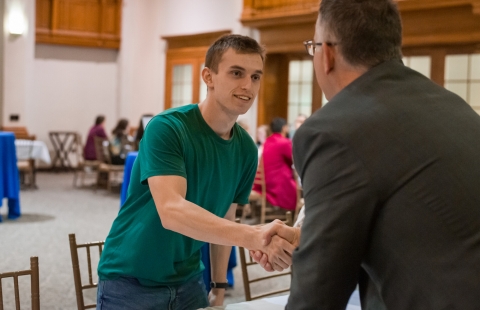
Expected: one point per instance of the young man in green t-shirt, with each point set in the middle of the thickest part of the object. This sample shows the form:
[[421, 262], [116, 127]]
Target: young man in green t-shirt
[[194, 165]]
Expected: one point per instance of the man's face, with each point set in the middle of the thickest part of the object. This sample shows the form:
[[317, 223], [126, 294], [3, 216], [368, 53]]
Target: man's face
[[236, 84]]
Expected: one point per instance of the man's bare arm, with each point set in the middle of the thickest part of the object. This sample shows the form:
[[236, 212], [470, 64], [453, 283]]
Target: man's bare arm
[[179, 215], [219, 256]]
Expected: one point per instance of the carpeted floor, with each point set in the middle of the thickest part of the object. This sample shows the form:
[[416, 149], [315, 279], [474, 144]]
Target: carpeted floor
[[49, 214]]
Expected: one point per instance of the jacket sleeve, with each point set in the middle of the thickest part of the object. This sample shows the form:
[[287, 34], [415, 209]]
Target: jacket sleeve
[[340, 204]]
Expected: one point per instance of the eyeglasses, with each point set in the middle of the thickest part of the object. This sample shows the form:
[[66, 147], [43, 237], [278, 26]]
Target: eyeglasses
[[310, 46]]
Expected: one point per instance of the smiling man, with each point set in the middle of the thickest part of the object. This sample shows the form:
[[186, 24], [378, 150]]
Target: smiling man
[[195, 164]]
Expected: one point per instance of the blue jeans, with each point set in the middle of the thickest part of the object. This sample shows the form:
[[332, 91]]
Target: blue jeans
[[128, 293]]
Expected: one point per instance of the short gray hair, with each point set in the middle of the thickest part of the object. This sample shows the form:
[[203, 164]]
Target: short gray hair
[[369, 32]]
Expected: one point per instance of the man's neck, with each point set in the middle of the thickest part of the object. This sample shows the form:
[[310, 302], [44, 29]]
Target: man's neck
[[220, 121], [345, 78]]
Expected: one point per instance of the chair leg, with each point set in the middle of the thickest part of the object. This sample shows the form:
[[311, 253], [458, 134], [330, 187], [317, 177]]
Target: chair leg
[[75, 178], [247, 209], [82, 178], [109, 180]]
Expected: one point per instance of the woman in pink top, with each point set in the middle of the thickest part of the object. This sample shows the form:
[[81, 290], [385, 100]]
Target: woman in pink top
[[277, 162]]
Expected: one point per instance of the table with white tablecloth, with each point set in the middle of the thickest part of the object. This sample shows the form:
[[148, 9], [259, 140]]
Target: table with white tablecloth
[[279, 303], [32, 149]]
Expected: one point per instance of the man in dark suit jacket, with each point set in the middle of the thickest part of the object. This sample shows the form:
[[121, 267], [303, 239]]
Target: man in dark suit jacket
[[390, 169]]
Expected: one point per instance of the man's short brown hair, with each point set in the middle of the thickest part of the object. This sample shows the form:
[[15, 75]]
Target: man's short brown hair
[[368, 32], [240, 44]]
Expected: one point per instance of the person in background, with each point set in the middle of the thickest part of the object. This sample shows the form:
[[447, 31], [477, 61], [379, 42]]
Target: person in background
[[120, 143], [280, 184], [98, 130], [298, 122], [183, 192], [141, 129]]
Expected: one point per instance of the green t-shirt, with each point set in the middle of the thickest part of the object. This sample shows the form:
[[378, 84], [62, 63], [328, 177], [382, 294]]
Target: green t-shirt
[[218, 172]]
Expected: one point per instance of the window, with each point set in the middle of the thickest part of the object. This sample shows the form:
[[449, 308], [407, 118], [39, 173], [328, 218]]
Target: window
[[420, 64], [300, 81], [462, 76], [182, 85]]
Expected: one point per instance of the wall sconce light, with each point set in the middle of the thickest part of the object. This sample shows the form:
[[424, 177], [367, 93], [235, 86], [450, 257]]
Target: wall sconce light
[[16, 22]]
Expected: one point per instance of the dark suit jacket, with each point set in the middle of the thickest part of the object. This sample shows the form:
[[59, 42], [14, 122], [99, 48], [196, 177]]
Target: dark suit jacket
[[391, 175]]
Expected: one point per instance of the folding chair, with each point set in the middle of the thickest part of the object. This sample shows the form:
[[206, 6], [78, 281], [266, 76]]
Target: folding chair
[[26, 166], [103, 156], [83, 165], [35, 284], [253, 273], [77, 275]]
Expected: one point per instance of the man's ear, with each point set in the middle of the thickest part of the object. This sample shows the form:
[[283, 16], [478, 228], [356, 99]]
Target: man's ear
[[207, 77], [328, 58]]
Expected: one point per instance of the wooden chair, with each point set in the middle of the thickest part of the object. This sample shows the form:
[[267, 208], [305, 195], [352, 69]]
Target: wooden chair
[[19, 132], [103, 156], [83, 166], [248, 266], [26, 167], [267, 211], [35, 284], [77, 275]]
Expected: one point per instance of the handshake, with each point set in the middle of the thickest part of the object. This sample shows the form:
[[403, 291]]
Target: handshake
[[276, 245]]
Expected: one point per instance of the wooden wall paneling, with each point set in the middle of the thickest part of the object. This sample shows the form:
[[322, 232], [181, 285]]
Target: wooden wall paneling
[[43, 15], [440, 26], [287, 38], [194, 40], [273, 100], [111, 16], [55, 15], [93, 23]]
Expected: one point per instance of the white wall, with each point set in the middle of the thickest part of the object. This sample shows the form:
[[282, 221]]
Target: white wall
[[71, 86], [17, 63], [56, 87]]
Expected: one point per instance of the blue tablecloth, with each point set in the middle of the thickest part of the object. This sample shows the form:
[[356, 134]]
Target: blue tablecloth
[[232, 262], [9, 180], [126, 175]]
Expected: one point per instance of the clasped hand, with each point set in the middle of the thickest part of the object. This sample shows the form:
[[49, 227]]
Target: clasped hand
[[278, 243]]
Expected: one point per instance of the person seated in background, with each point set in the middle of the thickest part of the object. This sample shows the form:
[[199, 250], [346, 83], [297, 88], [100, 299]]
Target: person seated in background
[[141, 129], [98, 130], [262, 133], [120, 143], [277, 163]]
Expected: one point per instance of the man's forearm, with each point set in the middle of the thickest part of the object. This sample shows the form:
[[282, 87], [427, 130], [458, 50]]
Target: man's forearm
[[195, 222], [186, 218], [219, 256]]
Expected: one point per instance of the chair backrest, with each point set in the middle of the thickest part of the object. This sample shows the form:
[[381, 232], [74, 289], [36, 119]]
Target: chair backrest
[[19, 132], [253, 273], [102, 150], [35, 284], [267, 212], [77, 274]]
